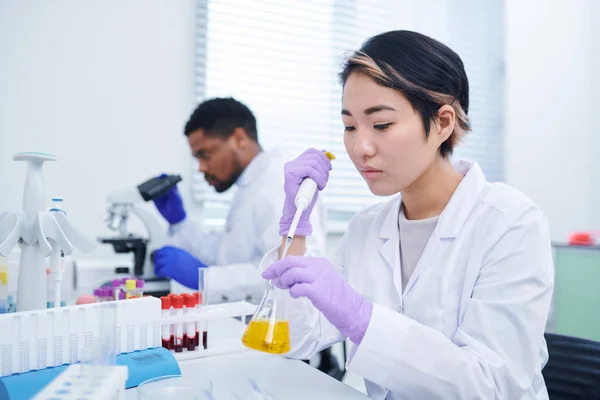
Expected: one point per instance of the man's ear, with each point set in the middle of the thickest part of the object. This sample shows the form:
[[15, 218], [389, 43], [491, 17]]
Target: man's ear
[[240, 137]]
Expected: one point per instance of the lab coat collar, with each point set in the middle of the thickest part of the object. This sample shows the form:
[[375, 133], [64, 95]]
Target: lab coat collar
[[463, 200], [457, 210], [253, 169]]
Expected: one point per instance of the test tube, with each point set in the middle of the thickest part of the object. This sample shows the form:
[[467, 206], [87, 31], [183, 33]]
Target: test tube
[[202, 299], [116, 283], [185, 312], [140, 287], [167, 336], [110, 294], [191, 326], [3, 292], [122, 294], [203, 325], [178, 306], [106, 294], [196, 308], [130, 288]]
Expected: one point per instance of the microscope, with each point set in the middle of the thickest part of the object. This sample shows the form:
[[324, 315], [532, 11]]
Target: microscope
[[123, 204]]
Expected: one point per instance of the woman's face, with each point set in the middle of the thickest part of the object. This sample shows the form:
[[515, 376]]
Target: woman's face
[[384, 136]]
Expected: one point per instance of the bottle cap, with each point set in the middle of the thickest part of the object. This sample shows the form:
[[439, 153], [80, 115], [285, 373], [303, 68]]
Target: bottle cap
[[165, 302], [190, 301], [110, 292], [97, 292], [130, 284], [177, 301], [116, 283], [139, 283], [122, 295]]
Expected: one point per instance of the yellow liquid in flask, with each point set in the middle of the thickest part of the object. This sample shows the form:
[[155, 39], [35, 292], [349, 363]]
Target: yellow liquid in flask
[[255, 336]]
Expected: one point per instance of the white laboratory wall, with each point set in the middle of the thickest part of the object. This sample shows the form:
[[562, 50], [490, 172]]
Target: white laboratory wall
[[551, 132], [106, 85]]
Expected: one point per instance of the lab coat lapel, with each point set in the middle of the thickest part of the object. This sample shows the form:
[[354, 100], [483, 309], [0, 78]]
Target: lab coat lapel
[[390, 247], [452, 218]]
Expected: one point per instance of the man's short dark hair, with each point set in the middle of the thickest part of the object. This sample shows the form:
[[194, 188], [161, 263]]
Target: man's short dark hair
[[220, 116]]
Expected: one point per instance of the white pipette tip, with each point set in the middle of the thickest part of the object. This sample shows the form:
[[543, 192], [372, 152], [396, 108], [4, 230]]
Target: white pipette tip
[[292, 231]]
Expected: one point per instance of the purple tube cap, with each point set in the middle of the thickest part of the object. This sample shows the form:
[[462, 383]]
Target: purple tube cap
[[116, 283], [139, 283], [122, 295]]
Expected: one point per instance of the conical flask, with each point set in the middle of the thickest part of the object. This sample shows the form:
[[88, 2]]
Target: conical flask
[[269, 330]]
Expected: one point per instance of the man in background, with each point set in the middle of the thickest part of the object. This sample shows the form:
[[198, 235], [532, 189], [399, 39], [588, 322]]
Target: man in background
[[223, 136]]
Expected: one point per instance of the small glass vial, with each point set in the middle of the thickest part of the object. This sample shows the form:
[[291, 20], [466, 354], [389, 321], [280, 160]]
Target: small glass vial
[[130, 288]]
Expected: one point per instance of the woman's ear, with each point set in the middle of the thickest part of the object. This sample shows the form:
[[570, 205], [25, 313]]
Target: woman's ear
[[445, 121]]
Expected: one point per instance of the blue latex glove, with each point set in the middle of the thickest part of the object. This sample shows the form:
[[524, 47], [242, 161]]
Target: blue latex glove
[[178, 264], [170, 205]]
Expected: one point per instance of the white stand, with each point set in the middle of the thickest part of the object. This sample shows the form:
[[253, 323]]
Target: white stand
[[39, 233]]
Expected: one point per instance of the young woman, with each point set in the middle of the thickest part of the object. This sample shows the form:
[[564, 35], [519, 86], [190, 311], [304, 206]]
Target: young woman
[[444, 291]]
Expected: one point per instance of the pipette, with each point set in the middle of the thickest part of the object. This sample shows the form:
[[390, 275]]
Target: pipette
[[304, 197]]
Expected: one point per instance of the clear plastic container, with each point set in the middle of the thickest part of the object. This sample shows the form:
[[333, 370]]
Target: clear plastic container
[[175, 387]]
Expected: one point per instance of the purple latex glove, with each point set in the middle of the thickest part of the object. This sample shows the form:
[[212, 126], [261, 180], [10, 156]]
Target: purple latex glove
[[317, 279], [311, 164]]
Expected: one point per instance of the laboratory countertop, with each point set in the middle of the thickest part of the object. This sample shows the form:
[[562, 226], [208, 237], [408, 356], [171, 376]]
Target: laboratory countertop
[[282, 378]]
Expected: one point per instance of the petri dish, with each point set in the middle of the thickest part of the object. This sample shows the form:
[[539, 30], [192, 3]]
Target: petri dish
[[175, 387]]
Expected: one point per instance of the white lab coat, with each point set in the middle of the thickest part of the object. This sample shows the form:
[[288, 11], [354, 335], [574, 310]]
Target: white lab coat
[[470, 323], [251, 230]]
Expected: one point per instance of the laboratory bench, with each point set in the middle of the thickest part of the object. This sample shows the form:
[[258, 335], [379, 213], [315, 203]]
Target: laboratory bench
[[230, 366]]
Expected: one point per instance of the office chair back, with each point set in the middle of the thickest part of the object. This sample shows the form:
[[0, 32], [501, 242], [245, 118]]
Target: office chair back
[[573, 368]]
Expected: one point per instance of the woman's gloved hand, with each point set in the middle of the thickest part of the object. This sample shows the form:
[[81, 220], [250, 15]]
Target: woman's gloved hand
[[170, 205], [178, 264], [318, 280], [313, 164]]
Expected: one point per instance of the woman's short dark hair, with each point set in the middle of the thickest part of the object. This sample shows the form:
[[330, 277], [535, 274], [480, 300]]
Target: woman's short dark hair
[[426, 71]]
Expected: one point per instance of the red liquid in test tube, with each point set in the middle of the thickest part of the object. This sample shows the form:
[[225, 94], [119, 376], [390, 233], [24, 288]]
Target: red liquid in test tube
[[167, 337], [185, 311], [173, 312], [191, 326], [178, 305]]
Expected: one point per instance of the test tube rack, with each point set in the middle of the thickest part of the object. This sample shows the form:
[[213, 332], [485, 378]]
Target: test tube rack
[[91, 382], [34, 340], [240, 309]]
